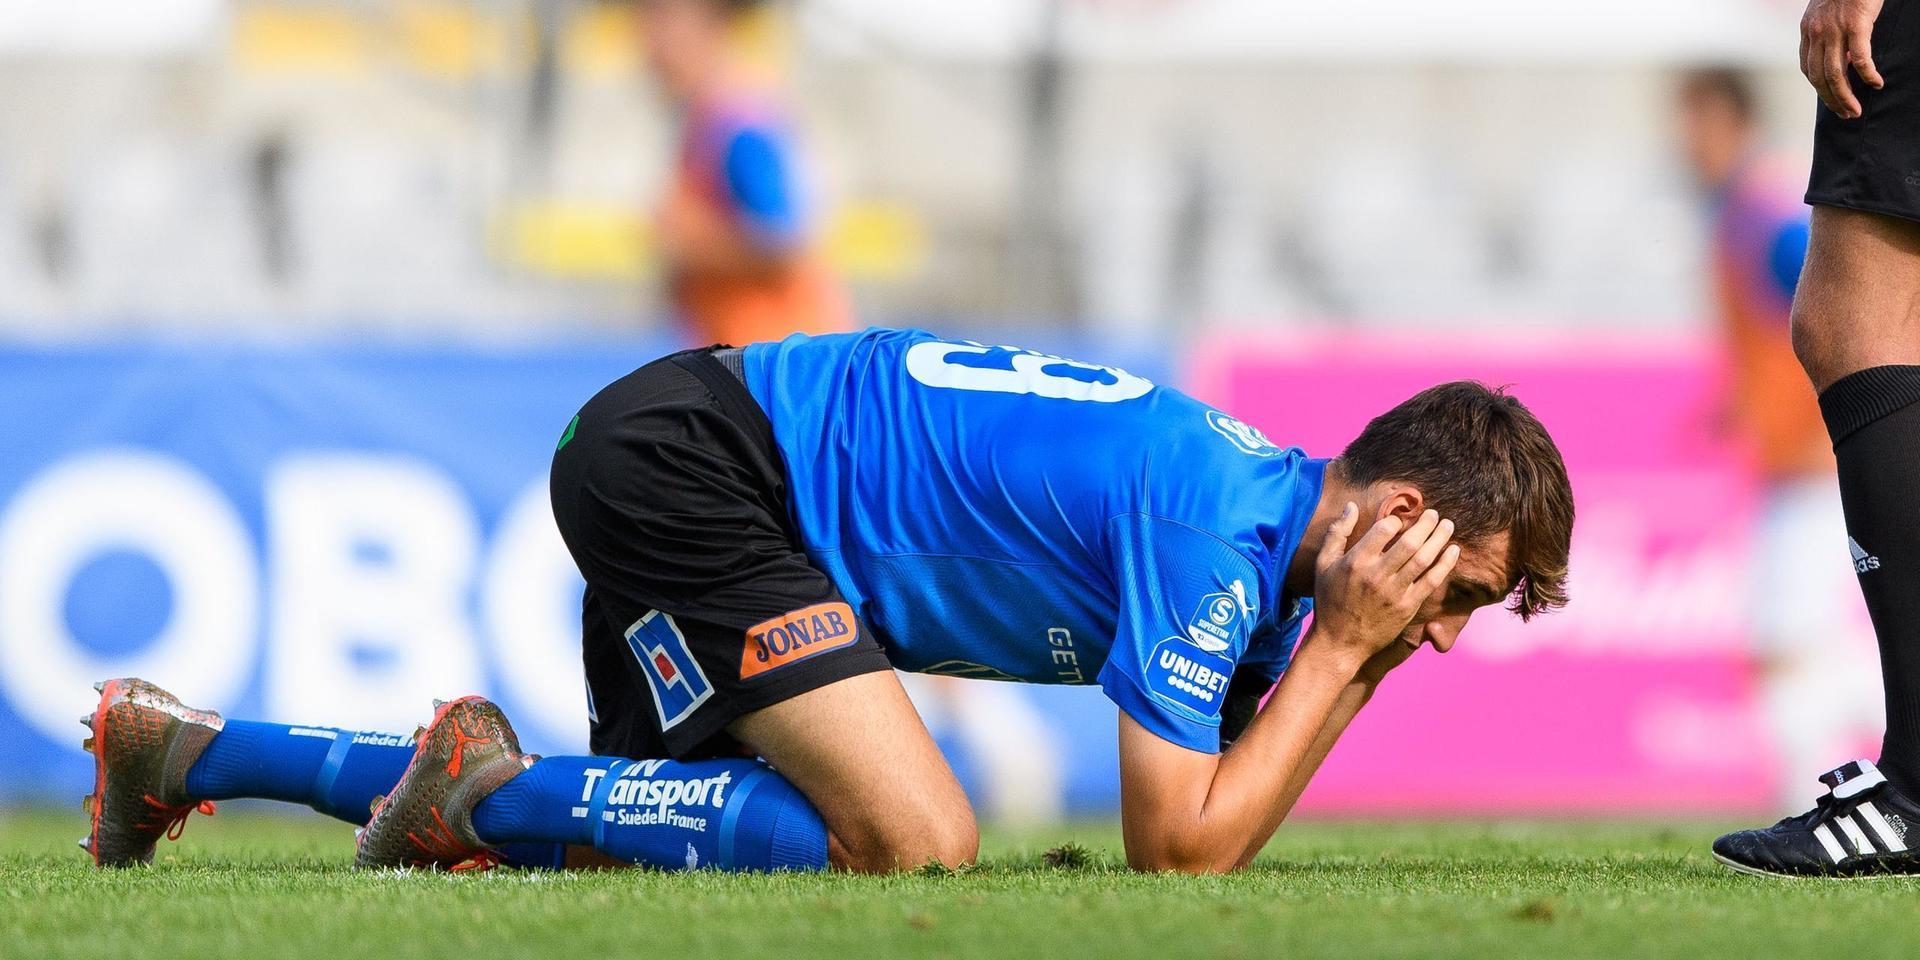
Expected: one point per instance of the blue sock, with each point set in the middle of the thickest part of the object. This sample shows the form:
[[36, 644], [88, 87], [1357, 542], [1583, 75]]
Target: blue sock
[[337, 772], [534, 805], [533, 856], [724, 814]]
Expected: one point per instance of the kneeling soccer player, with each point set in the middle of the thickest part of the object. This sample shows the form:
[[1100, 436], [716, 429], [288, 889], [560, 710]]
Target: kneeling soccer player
[[765, 531]]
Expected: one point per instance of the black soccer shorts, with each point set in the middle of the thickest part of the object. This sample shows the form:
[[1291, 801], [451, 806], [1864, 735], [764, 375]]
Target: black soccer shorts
[[1872, 163], [700, 605]]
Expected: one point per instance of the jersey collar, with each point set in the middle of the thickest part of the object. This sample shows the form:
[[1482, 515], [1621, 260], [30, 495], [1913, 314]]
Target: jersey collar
[[1283, 538]]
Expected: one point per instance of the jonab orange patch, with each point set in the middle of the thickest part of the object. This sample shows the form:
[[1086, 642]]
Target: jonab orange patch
[[797, 635]]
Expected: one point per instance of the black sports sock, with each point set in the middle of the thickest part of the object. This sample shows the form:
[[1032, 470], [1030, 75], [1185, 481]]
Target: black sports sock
[[1874, 419]]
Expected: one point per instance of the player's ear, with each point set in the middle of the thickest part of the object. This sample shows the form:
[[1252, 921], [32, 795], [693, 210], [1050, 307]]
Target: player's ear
[[1403, 501]]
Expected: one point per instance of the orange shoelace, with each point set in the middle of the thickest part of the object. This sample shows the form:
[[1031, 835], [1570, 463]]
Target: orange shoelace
[[175, 817], [483, 861], [442, 846]]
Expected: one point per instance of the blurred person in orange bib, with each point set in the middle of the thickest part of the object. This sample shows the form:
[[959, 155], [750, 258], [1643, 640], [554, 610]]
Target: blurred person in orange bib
[[736, 228], [1815, 658]]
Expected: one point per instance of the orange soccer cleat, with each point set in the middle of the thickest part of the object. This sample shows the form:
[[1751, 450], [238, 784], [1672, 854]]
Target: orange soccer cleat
[[464, 754], [143, 742]]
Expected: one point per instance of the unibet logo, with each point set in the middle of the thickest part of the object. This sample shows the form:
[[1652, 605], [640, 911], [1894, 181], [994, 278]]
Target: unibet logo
[[1201, 681], [795, 636], [1183, 675]]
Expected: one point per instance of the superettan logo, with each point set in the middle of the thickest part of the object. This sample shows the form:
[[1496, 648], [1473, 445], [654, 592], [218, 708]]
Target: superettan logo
[[794, 636]]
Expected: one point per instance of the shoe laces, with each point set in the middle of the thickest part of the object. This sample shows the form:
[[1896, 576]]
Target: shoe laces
[[1827, 807], [175, 818], [482, 861], [440, 844]]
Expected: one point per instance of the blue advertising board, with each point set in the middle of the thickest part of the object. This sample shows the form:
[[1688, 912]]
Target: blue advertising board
[[339, 534]]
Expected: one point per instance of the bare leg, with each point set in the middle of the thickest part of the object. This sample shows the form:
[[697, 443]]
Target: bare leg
[[858, 750], [1858, 304]]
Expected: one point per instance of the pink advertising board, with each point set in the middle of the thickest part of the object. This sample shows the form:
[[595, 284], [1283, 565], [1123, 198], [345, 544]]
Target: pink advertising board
[[1634, 698]]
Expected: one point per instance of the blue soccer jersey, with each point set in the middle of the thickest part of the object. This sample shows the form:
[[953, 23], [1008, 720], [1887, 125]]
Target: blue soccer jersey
[[997, 513]]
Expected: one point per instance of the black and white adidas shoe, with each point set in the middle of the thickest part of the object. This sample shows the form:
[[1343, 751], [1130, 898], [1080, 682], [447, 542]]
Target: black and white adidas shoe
[[1863, 827]]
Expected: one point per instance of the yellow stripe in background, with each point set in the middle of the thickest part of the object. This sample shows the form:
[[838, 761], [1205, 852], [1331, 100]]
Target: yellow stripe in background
[[602, 43], [867, 241], [877, 240], [449, 41], [306, 40], [452, 40], [575, 241], [430, 36]]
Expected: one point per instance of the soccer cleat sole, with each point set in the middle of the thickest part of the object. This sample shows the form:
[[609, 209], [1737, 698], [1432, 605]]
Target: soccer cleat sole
[[1757, 872], [1750, 871]]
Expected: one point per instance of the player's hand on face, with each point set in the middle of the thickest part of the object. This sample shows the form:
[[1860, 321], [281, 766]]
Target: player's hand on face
[[1837, 36], [1365, 597]]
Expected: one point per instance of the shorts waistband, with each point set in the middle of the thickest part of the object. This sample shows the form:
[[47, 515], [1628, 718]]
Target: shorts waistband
[[733, 359], [725, 378]]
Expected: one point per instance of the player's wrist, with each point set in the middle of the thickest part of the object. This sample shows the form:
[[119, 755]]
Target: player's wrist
[[1327, 648]]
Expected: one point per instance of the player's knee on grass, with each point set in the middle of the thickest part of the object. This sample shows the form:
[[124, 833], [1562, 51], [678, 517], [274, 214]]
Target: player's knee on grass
[[883, 844], [857, 749]]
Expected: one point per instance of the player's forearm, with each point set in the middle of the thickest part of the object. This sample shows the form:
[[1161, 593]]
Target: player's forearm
[[1202, 812], [1266, 770], [1247, 796], [1354, 697], [1351, 699]]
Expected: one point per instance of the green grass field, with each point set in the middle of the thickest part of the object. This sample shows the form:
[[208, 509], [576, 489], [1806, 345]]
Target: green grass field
[[256, 886]]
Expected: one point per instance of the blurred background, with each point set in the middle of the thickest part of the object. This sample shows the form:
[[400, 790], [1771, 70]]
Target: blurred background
[[296, 296]]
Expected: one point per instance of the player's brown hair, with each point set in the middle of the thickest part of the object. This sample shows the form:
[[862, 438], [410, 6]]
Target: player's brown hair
[[1481, 459]]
